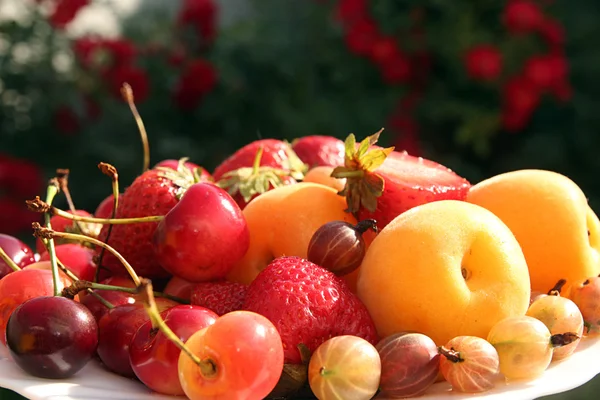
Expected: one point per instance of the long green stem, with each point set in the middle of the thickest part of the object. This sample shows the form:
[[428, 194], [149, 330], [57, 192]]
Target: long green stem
[[50, 194], [83, 238], [106, 221], [80, 285], [11, 264]]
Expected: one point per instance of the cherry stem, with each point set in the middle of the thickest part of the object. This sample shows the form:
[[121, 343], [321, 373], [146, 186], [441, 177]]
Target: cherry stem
[[62, 176], [9, 261], [127, 94], [555, 291], [563, 339], [80, 285], [106, 221], [52, 191], [49, 234], [451, 354], [111, 172], [207, 367], [75, 279], [366, 224]]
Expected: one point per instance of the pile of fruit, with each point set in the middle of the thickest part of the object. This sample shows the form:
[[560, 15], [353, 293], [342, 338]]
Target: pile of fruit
[[339, 270]]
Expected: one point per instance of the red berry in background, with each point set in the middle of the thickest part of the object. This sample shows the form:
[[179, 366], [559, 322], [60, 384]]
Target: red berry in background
[[546, 71], [20, 179], [198, 78], [15, 217], [563, 91], [521, 95], [136, 77], [219, 296], [66, 121], [308, 304], [553, 32], [17, 251], [77, 258], [202, 15], [350, 11], [515, 121], [407, 138], [483, 62], [396, 70], [121, 50], [384, 49], [65, 11], [361, 37], [522, 16]]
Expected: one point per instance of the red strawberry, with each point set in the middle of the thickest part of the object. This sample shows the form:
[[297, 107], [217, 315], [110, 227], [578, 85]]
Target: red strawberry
[[62, 224], [307, 304], [203, 174], [152, 193], [381, 183], [258, 167], [319, 150], [219, 296]]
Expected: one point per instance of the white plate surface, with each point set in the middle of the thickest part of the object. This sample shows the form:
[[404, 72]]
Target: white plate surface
[[95, 383]]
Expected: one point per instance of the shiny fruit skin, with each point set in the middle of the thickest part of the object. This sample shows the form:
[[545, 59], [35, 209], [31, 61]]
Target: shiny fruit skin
[[478, 367], [52, 337], [586, 295], [20, 286], [62, 224], [247, 352], [203, 236], [154, 357], [322, 175], [344, 367], [114, 297], [17, 251], [77, 258], [409, 364], [204, 175], [337, 246], [444, 269], [560, 315], [179, 287], [523, 345], [549, 215], [115, 330]]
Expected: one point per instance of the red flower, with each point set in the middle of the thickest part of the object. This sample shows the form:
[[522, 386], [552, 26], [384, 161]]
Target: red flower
[[201, 14], [65, 11], [66, 121], [546, 71], [522, 16], [135, 77], [483, 62], [521, 95], [383, 50], [396, 70], [350, 11], [19, 178], [514, 121], [553, 32], [198, 78], [361, 37]]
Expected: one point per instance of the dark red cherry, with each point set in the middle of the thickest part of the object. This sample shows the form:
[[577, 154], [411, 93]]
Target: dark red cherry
[[18, 251], [51, 337], [77, 258]]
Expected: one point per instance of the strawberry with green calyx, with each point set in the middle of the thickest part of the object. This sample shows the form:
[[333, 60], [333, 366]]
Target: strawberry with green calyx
[[246, 183], [154, 192], [382, 183]]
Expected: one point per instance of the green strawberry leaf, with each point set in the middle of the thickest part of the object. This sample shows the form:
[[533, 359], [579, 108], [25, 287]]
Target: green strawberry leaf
[[350, 147], [374, 158]]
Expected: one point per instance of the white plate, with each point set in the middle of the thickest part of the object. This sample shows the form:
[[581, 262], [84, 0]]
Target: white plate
[[95, 383]]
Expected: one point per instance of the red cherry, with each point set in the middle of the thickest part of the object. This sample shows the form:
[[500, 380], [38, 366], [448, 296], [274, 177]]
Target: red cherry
[[154, 357], [203, 236], [17, 251], [179, 287], [483, 62], [77, 258], [522, 16]]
